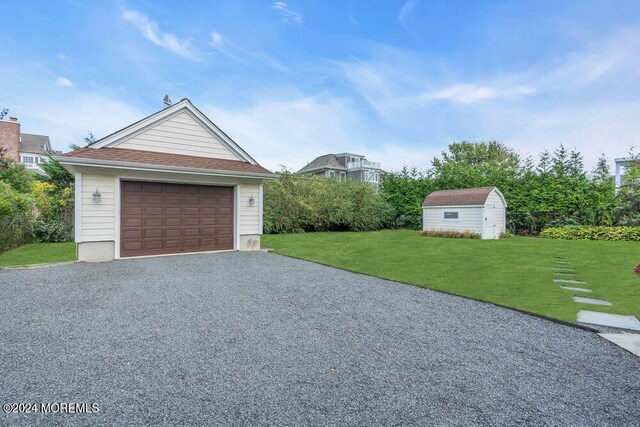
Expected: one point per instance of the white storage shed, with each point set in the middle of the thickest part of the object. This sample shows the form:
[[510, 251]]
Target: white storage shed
[[479, 210]]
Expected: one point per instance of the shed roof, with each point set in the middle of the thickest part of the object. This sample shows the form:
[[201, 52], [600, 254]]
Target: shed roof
[[461, 197], [328, 161]]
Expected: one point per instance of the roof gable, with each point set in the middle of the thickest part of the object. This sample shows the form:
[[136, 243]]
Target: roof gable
[[179, 129], [37, 144], [461, 197]]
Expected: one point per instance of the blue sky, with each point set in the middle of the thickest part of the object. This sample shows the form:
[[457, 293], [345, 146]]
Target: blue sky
[[290, 80]]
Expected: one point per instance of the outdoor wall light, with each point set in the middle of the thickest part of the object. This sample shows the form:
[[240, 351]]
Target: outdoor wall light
[[252, 200], [96, 196]]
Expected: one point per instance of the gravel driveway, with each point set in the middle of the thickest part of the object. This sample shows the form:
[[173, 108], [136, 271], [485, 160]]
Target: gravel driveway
[[257, 338]]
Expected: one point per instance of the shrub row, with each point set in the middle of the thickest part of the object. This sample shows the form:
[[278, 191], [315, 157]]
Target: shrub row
[[451, 234], [586, 232], [294, 204]]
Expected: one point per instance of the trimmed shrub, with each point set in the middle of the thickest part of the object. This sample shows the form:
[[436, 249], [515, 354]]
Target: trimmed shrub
[[50, 231], [586, 232], [451, 234], [295, 204]]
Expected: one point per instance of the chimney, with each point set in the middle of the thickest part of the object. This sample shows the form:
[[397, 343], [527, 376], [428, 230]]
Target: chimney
[[10, 138]]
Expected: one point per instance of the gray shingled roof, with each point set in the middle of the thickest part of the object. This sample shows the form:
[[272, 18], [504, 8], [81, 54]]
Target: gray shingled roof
[[462, 197], [37, 144], [328, 161]]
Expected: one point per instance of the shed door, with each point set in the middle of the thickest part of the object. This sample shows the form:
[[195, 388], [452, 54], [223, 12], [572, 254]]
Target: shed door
[[161, 218], [490, 218]]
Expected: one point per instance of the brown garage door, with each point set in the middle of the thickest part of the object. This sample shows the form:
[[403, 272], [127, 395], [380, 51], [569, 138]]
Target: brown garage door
[[160, 218]]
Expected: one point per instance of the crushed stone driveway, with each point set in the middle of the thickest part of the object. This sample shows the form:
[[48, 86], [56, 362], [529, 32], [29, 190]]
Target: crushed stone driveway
[[262, 339]]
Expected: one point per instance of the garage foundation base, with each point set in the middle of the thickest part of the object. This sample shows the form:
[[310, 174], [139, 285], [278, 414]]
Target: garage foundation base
[[250, 242], [96, 251]]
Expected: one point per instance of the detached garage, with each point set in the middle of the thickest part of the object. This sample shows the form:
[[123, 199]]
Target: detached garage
[[172, 182], [479, 210]]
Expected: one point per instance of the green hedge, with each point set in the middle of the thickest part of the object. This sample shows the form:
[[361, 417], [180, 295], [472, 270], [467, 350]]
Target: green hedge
[[294, 204], [451, 234], [586, 232]]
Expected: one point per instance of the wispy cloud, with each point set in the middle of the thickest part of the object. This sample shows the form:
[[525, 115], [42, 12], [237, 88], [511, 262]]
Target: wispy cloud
[[287, 14], [151, 31], [240, 54], [63, 81], [405, 12], [473, 93]]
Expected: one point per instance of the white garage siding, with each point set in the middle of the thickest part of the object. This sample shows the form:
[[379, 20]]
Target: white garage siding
[[469, 219], [98, 218], [180, 134], [249, 214]]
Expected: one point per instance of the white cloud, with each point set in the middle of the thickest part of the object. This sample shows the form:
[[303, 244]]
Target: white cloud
[[237, 53], [472, 93], [68, 121], [287, 14], [62, 81], [405, 12], [291, 132], [151, 31]]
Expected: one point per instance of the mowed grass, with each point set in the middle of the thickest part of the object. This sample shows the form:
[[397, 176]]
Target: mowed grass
[[515, 272], [38, 253]]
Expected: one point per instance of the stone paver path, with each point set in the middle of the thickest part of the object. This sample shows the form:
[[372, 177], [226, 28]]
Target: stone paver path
[[594, 301]]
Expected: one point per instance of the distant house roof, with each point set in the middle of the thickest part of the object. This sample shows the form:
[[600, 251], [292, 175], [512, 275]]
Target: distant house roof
[[328, 161], [37, 144], [462, 197], [124, 156]]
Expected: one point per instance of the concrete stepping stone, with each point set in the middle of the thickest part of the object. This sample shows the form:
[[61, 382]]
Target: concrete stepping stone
[[607, 319], [577, 282], [594, 301], [630, 342], [569, 288], [565, 273], [564, 269]]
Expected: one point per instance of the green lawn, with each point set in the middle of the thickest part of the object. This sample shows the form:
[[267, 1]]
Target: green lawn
[[515, 272], [38, 253]]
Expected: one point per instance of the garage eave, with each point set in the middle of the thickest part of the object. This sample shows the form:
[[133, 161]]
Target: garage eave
[[71, 163]]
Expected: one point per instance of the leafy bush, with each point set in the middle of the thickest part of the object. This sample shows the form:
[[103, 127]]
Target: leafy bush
[[294, 204], [586, 232], [505, 235], [451, 234], [52, 202], [15, 214], [50, 231]]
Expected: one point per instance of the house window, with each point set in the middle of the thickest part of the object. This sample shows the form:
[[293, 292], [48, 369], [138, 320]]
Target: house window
[[332, 174], [27, 160], [343, 176], [451, 215]]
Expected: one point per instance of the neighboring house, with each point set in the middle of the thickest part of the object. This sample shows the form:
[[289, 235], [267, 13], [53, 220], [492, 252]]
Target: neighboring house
[[28, 149], [345, 166], [621, 163], [479, 210], [171, 182]]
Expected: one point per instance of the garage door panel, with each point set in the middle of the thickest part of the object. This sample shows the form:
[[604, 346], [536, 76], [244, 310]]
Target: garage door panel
[[192, 221], [132, 222], [153, 234], [173, 210], [153, 222], [153, 210], [132, 234], [173, 222], [157, 200], [155, 187], [153, 244], [159, 218], [173, 232]]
